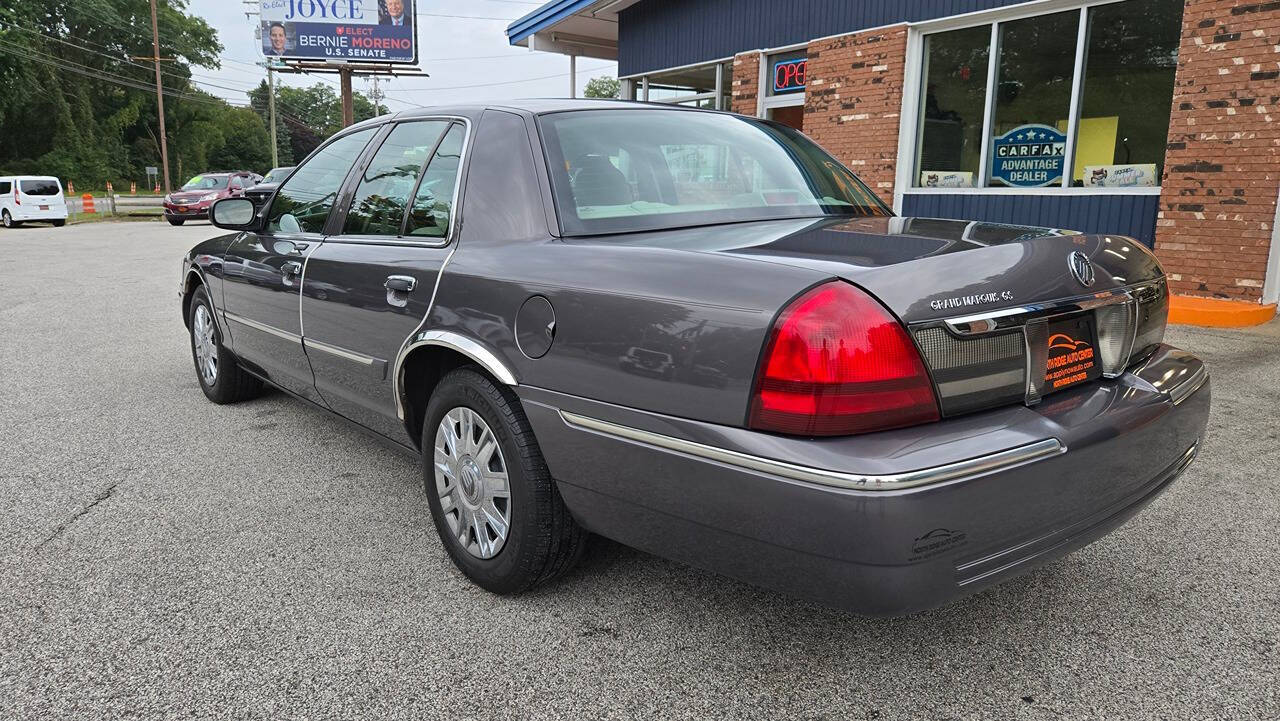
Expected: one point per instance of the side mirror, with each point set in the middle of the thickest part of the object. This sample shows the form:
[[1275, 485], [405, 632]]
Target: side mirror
[[234, 214]]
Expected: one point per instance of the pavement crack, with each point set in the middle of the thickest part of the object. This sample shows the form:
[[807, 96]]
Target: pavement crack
[[62, 527]]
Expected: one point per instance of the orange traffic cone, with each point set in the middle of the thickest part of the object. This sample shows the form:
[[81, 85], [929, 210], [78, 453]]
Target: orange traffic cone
[[157, 190], [109, 188], [87, 201], [71, 187], [133, 188]]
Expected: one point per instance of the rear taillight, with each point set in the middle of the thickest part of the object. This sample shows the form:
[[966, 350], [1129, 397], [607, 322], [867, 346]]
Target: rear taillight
[[838, 363], [16, 199]]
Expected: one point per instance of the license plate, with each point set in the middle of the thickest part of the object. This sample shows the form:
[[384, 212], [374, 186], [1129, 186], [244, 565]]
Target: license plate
[[182, 208], [1073, 356], [44, 207]]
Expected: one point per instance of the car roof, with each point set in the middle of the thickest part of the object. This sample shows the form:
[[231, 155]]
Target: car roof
[[537, 106]]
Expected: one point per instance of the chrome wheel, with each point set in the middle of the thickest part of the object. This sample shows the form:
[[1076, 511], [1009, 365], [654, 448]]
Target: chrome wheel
[[472, 483], [205, 345]]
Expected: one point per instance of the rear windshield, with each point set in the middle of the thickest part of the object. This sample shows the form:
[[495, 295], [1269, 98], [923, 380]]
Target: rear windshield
[[207, 182], [39, 187], [632, 170]]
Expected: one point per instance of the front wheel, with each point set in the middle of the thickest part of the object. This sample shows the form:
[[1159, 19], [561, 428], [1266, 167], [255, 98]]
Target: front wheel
[[175, 221], [220, 378], [493, 501]]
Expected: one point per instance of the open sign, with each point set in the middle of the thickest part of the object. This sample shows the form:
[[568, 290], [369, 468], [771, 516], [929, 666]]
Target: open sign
[[788, 75]]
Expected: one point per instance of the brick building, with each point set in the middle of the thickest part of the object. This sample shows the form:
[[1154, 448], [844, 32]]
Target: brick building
[[1157, 119]]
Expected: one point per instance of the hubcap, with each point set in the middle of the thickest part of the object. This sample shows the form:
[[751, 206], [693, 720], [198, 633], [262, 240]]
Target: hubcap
[[206, 346], [471, 481]]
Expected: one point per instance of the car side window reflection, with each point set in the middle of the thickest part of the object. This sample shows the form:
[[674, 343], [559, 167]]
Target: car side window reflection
[[302, 204], [433, 203], [380, 200]]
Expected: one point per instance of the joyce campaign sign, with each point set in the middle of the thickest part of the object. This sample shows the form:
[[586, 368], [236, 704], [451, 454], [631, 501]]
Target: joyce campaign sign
[[353, 30], [1029, 156]]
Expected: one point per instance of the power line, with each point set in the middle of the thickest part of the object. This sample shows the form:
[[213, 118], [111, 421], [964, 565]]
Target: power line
[[489, 85]]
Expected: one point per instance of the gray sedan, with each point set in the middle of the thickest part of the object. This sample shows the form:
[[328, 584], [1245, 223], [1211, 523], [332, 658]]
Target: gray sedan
[[702, 336]]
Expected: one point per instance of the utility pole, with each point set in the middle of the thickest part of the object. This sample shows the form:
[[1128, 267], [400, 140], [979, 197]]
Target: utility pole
[[376, 94], [573, 76], [348, 107], [271, 110], [164, 139]]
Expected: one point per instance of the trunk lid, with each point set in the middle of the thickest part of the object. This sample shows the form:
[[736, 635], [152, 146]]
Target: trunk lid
[[991, 306]]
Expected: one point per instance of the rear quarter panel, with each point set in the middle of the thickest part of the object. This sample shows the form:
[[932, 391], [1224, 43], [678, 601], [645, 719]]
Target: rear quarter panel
[[667, 331]]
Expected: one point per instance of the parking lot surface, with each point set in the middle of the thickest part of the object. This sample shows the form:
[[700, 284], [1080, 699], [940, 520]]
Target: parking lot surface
[[161, 556]]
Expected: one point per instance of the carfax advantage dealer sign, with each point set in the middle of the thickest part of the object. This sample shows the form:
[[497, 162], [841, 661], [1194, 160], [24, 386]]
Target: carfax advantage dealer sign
[[381, 31]]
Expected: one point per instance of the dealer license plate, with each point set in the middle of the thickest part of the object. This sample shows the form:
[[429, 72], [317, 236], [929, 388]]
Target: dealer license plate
[[182, 208], [1073, 356], [44, 207]]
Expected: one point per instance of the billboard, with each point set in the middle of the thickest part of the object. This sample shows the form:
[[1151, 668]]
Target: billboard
[[382, 31]]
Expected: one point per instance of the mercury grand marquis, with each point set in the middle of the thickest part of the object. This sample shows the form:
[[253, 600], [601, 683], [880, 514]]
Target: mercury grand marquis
[[702, 336]]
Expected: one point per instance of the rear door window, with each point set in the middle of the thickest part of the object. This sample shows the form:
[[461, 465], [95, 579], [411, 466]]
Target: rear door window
[[433, 203], [39, 187], [380, 200], [6, 187]]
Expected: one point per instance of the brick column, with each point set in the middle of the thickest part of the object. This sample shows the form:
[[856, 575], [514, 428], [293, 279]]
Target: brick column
[[746, 83], [854, 101], [1222, 169]]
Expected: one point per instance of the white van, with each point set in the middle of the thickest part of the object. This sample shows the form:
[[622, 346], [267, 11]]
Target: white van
[[31, 197]]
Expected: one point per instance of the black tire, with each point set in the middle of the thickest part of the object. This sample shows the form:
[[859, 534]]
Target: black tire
[[58, 223], [543, 541], [8, 220], [230, 383], [175, 221]]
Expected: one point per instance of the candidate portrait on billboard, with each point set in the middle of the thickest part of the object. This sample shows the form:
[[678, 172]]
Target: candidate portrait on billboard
[[276, 40], [395, 12], [381, 31]]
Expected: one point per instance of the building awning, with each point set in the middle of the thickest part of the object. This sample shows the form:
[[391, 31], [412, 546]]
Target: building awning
[[588, 28]]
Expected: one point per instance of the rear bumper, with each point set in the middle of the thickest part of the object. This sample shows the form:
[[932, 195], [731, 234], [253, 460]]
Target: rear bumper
[[886, 523], [25, 214]]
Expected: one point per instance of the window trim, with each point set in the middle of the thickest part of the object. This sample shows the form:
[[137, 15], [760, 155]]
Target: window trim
[[404, 240], [909, 140]]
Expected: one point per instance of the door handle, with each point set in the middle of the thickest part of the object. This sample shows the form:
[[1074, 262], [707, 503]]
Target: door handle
[[290, 267], [401, 283]]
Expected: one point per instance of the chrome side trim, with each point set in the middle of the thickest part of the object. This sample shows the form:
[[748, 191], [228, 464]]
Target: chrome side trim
[[263, 327], [340, 352], [838, 479], [1186, 388]]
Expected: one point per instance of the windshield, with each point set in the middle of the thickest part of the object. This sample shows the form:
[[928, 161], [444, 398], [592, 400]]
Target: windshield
[[630, 170], [39, 187], [276, 175], [207, 182]]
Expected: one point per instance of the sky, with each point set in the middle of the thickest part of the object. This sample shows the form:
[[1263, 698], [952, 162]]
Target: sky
[[467, 57]]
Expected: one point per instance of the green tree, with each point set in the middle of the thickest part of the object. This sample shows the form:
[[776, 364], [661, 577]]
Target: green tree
[[602, 87], [72, 102], [247, 144]]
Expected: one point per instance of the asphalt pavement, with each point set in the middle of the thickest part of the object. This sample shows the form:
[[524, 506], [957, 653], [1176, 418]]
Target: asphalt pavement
[[163, 557]]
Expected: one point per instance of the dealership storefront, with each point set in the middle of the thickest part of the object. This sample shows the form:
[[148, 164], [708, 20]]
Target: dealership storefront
[[1158, 119]]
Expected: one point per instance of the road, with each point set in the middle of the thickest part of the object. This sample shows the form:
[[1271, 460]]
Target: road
[[162, 557]]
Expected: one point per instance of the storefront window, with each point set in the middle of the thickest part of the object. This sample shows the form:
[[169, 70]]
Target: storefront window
[[1033, 99], [1115, 135], [954, 104], [1128, 93]]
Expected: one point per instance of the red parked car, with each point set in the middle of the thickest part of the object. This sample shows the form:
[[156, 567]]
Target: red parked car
[[192, 201]]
